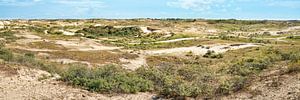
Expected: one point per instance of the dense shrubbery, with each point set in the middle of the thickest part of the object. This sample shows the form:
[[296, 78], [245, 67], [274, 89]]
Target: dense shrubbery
[[212, 54], [110, 31], [171, 81], [107, 79], [249, 66], [252, 65]]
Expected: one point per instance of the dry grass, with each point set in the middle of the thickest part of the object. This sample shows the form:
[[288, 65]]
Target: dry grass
[[92, 56], [46, 45], [100, 57]]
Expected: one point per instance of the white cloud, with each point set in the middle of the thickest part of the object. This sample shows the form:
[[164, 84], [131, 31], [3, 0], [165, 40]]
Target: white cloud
[[18, 2], [77, 3], [88, 3], [285, 4], [198, 5], [202, 5]]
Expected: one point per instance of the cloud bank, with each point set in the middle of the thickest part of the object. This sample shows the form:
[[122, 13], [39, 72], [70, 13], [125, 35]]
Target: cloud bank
[[202, 5]]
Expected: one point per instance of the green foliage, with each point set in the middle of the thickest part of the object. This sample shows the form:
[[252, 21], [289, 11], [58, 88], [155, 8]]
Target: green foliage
[[231, 85], [249, 66], [111, 31], [176, 82], [6, 54], [212, 54], [8, 36], [107, 79]]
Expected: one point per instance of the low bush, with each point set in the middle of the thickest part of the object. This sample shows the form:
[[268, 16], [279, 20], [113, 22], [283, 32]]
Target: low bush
[[233, 85], [111, 31], [107, 79], [176, 82], [6, 54], [212, 54]]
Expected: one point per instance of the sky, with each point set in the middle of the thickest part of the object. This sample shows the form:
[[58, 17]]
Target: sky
[[120, 9]]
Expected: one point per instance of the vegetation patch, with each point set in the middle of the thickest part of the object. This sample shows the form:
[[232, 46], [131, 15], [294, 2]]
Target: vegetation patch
[[107, 79], [46, 45], [92, 56], [212, 54], [8, 36], [93, 31]]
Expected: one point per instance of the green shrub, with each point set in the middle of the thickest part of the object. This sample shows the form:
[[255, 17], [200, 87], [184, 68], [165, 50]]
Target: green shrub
[[5, 54], [111, 31], [292, 56], [233, 85], [211, 54], [174, 82], [107, 79]]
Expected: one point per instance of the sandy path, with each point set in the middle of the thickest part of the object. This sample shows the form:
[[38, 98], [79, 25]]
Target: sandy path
[[170, 41], [176, 40], [218, 48]]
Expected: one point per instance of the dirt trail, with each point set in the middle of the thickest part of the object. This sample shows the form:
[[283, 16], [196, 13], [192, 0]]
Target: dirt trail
[[176, 40], [218, 48], [31, 84]]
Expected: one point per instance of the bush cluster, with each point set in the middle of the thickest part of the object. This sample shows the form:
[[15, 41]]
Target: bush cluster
[[212, 54], [107, 79], [93, 31]]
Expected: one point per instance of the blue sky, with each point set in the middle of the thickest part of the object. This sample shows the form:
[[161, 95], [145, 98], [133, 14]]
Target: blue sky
[[209, 9]]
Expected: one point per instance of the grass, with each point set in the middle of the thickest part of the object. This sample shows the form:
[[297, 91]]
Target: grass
[[97, 31], [46, 45], [8, 36], [92, 56], [101, 57], [107, 79]]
